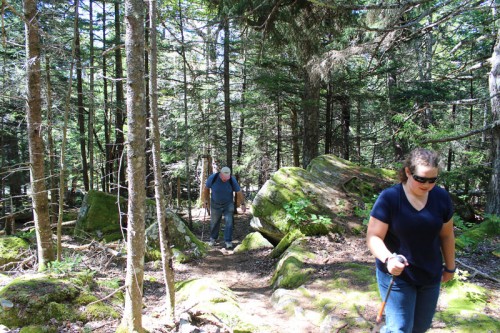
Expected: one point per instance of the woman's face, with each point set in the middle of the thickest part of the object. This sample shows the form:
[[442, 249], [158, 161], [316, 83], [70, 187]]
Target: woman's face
[[423, 179]]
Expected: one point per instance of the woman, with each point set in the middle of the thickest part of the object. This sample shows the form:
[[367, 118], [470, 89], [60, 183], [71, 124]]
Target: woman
[[413, 219]]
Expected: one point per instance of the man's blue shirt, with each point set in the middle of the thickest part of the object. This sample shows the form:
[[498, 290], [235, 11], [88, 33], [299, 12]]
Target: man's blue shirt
[[222, 192]]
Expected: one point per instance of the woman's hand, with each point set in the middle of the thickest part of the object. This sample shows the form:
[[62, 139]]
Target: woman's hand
[[447, 276], [396, 264]]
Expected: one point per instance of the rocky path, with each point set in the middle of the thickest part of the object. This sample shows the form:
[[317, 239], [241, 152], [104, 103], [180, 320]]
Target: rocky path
[[248, 276]]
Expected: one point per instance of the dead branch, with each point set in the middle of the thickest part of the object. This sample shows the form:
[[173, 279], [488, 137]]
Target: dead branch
[[108, 296], [202, 314], [64, 224], [477, 272], [465, 135]]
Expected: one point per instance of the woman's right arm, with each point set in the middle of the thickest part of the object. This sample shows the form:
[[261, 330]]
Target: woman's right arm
[[375, 240]]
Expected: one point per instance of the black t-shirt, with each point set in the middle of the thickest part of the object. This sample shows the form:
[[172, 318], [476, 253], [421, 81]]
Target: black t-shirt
[[413, 233]]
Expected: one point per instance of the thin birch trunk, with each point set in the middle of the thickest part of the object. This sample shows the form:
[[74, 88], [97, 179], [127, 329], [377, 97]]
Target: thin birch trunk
[[62, 165], [166, 252], [186, 123], [136, 164], [90, 126], [35, 141]]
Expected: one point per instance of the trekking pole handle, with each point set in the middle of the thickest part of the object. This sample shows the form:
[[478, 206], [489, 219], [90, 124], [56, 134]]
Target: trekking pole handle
[[401, 259]]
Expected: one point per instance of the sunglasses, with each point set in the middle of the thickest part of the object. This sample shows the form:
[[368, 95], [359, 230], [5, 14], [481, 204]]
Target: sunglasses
[[424, 180]]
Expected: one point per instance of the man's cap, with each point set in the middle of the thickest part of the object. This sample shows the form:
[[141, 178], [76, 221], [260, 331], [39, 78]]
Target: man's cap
[[225, 173]]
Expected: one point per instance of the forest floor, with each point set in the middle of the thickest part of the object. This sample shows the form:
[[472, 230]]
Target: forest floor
[[248, 276]]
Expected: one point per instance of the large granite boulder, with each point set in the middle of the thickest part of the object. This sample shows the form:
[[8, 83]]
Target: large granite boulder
[[336, 189], [186, 246], [99, 218]]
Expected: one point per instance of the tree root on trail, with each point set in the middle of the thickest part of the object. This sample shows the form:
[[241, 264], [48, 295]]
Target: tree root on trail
[[477, 272], [203, 317]]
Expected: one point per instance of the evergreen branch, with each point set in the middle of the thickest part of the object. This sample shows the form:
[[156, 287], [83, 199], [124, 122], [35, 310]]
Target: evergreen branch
[[465, 135]]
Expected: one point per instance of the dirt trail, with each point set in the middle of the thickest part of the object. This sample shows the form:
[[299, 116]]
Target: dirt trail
[[248, 276]]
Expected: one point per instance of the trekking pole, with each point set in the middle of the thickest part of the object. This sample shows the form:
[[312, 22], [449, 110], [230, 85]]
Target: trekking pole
[[203, 222], [401, 259]]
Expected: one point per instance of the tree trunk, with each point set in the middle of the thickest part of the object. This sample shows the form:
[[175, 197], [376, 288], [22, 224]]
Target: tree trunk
[[345, 106], [108, 169], [62, 168], [206, 170], [328, 118], [120, 103], [358, 130], [311, 120], [81, 112], [136, 164], [295, 137], [227, 100], [51, 149], [186, 123], [239, 152], [90, 126], [166, 251], [493, 196], [398, 145], [150, 178], [36, 147], [278, 133]]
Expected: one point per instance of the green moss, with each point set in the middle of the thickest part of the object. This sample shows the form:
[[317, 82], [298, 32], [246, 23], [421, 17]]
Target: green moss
[[100, 311], [463, 308], [213, 300], [101, 216], [37, 300], [111, 283], [10, 249], [253, 241], [85, 298], [487, 229], [38, 329], [291, 274], [353, 275], [290, 271], [285, 242]]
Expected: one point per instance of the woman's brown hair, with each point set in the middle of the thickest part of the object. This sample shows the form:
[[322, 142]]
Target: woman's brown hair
[[418, 156]]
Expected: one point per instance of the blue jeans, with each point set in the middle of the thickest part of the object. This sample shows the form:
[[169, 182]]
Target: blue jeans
[[217, 210], [409, 308]]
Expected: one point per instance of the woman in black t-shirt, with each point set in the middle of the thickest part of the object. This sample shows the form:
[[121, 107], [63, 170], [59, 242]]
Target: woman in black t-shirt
[[413, 220]]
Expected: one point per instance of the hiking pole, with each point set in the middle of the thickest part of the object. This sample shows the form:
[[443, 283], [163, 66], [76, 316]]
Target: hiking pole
[[203, 222], [401, 259]]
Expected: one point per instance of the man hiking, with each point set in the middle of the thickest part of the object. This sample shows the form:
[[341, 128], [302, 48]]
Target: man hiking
[[222, 185]]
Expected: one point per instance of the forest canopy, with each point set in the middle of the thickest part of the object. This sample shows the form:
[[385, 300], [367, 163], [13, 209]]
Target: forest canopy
[[255, 85]]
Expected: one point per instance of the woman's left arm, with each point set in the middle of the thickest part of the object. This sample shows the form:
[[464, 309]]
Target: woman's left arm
[[447, 237]]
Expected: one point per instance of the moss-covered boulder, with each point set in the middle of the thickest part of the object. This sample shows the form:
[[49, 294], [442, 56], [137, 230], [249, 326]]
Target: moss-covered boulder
[[212, 300], [488, 229], [186, 245], [36, 299], [11, 248], [334, 187], [286, 242], [291, 271], [99, 217], [253, 241]]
